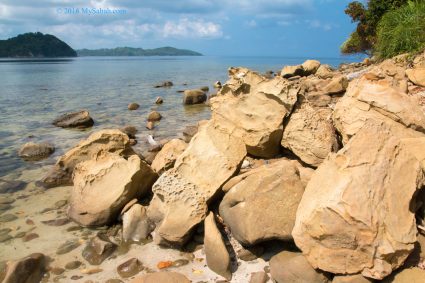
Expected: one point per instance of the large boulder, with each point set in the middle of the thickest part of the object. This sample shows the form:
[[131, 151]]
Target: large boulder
[[104, 184], [377, 99], [35, 151], [416, 76], [310, 134], [166, 158], [101, 141], [181, 194], [218, 258], [29, 269], [292, 267], [356, 212], [80, 119], [325, 72], [310, 67], [262, 205], [292, 71], [194, 96], [253, 108]]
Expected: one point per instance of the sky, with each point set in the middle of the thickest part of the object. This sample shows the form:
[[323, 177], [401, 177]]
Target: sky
[[302, 28]]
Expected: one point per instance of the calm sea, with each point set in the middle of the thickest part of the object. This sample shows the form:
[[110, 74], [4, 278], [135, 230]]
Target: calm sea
[[34, 92]]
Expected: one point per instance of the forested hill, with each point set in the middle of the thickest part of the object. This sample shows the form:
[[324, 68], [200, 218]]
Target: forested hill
[[35, 45], [129, 51]]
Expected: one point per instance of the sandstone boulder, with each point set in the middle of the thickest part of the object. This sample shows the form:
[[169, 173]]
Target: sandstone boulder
[[337, 85], [135, 224], [166, 158], [159, 277], [154, 116], [101, 141], [194, 96], [310, 134], [325, 72], [181, 194], [35, 151], [408, 275], [263, 204], [292, 71], [218, 258], [29, 269], [104, 185], [80, 119], [253, 108], [293, 267], [416, 76], [366, 99], [310, 67], [356, 212]]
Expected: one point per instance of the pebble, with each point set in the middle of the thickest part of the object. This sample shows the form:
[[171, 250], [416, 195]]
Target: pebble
[[74, 228], [60, 203], [68, 246], [6, 200], [113, 280], [5, 206], [91, 270], [8, 218], [30, 236], [56, 222], [76, 277], [180, 262], [5, 237], [20, 235], [130, 268], [57, 270], [5, 231], [29, 222], [73, 264]]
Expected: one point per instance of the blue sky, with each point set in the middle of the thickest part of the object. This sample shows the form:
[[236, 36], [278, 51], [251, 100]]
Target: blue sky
[[314, 28]]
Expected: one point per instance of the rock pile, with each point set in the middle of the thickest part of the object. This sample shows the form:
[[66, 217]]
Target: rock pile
[[332, 161]]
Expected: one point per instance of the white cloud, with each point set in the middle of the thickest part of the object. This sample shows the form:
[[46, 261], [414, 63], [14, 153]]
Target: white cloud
[[187, 28], [316, 24]]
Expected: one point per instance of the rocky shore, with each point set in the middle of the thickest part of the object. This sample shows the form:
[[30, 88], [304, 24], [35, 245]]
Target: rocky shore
[[313, 174]]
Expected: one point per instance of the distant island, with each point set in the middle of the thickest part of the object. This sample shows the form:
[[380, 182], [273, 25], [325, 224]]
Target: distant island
[[35, 45], [129, 51]]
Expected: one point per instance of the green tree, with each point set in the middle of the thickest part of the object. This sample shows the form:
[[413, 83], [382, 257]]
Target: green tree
[[364, 38]]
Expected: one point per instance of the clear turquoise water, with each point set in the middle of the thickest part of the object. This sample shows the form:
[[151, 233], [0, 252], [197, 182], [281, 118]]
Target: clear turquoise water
[[34, 92]]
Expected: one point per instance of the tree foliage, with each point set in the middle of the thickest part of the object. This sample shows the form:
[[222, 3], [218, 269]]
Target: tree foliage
[[364, 38]]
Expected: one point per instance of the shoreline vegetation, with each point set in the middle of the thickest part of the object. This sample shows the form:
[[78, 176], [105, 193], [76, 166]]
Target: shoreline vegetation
[[38, 45]]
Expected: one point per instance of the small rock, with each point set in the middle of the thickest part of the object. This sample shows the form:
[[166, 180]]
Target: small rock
[[130, 268], [60, 204], [73, 264], [8, 218], [164, 84], [76, 277], [97, 250], [159, 100], [136, 225], [150, 125], [91, 270], [5, 206], [80, 119], [35, 151], [20, 235], [11, 186], [194, 96], [29, 269], [114, 280], [154, 116], [29, 237], [258, 277], [57, 270], [56, 222], [5, 237], [73, 228], [29, 222], [130, 131], [68, 246], [217, 84], [133, 106], [180, 262], [164, 264], [251, 253], [6, 200]]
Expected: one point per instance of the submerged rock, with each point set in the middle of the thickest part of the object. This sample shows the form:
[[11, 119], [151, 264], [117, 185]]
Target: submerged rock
[[11, 186], [263, 204], [130, 131], [35, 151], [104, 185], [218, 258], [97, 250], [29, 269], [164, 276], [194, 96], [68, 246], [80, 119], [133, 106], [101, 141], [356, 212], [164, 84], [130, 268], [159, 100], [154, 116]]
